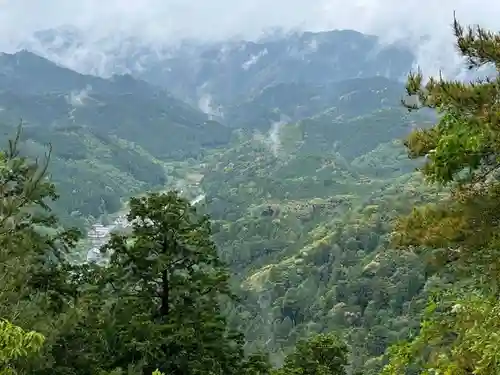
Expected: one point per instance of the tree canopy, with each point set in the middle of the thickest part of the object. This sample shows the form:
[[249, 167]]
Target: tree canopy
[[304, 231], [458, 234], [157, 307]]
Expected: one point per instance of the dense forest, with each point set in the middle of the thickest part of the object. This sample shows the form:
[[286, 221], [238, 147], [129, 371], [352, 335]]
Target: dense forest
[[319, 248]]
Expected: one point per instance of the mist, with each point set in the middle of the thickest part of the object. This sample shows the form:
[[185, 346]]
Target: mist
[[79, 98], [206, 105], [422, 24], [275, 136], [272, 139]]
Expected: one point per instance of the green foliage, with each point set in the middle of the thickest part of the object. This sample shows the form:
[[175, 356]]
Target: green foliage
[[163, 288], [159, 304], [462, 149], [110, 138], [319, 355], [305, 232], [300, 100], [16, 343], [301, 216], [458, 334], [466, 134], [29, 234], [169, 269], [457, 337], [36, 286]]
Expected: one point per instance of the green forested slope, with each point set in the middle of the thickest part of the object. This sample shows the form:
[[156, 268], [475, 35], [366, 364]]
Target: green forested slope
[[303, 219], [110, 138], [299, 100], [303, 214]]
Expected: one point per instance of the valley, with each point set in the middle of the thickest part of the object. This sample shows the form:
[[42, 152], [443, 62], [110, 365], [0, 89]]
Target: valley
[[99, 234], [300, 176], [295, 152]]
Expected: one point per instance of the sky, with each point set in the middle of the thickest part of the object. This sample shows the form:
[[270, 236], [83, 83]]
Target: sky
[[164, 21]]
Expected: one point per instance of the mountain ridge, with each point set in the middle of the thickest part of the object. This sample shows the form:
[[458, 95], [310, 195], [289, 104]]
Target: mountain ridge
[[300, 172], [222, 70], [110, 137]]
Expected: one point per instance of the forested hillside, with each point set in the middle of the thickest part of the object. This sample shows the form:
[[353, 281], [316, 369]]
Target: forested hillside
[[339, 232], [109, 138], [303, 216], [223, 74]]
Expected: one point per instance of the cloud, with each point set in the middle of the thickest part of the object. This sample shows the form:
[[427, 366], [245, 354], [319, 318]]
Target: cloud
[[275, 136], [206, 105], [272, 139], [78, 98], [166, 21]]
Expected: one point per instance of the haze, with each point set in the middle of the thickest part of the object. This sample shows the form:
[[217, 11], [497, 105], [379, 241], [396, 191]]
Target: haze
[[166, 21]]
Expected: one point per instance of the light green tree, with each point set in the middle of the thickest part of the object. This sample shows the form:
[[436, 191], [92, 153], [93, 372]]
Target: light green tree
[[16, 343]]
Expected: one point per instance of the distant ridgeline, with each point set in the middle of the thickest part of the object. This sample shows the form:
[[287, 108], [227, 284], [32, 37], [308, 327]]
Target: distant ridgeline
[[110, 138], [297, 140]]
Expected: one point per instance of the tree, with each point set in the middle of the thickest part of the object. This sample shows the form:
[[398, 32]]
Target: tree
[[163, 289], [16, 343], [322, 354], [35, 288], [29, 235], [462, 152], [256, 364], [459, 234]]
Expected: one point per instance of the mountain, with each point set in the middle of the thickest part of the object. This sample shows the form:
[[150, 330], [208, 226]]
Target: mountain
[[291, 102], [302, 213], [299, 158], [224, 73], [110, 137], [229, 73], [303, 217]]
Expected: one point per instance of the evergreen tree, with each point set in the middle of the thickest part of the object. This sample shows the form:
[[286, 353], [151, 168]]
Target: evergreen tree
[[322, 354], [164, 286], [460, 233], [36, 288]]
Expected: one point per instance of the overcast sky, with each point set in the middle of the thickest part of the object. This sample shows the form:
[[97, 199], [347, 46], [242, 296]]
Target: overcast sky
[[167, 20]]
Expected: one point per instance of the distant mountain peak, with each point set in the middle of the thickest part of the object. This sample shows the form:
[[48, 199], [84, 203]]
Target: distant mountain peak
[[228, 72], [30, 60]]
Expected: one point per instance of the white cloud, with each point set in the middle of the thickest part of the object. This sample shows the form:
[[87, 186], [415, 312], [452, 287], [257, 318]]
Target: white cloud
[[162, 21], [254, 59], [78, 98], [206, 105]]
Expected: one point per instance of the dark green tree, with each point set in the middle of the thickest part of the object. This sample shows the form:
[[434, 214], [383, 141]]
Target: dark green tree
[[164, 287], [36, 288], [256, 364], [322, 354]]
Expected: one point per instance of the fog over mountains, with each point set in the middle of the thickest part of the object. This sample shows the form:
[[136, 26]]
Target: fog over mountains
[[282, 122], [96, 33]]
